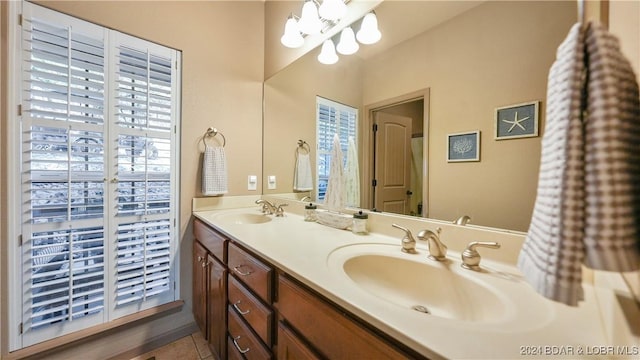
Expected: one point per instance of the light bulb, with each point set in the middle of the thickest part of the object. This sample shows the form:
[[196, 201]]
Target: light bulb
[[309, 21], [328, 54], [347, 44], [369, 33], [333, 10], [292, 37]]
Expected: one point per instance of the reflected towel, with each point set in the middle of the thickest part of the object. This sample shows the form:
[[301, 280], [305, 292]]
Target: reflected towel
[[586, 209], [302, 177], [333, 198], [214, 171], [352, 176]]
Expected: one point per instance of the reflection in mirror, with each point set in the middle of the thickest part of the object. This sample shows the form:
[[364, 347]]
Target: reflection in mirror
[[476, 59]]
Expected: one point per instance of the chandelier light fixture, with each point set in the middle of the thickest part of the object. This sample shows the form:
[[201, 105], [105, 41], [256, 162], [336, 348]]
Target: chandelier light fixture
[[318, 17]]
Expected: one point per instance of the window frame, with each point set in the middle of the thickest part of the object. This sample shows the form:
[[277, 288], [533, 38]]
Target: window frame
[[15, 179]]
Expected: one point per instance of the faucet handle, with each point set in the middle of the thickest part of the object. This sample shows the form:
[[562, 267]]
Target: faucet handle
[[471, 257], [280, 210], [408, 241], [462, 220]]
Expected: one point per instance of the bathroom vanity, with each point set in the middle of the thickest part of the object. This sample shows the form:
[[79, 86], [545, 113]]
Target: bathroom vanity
[[280, 287], [308, 326]]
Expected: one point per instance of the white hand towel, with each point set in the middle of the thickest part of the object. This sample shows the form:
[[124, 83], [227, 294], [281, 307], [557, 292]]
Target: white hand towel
[[333, 197], [352, 176], [302, 177], [214, 171], [587, 207]]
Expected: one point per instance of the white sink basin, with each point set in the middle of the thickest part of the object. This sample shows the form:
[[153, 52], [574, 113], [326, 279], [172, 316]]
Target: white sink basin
[[241, 218], [426, 286], [413, 284]]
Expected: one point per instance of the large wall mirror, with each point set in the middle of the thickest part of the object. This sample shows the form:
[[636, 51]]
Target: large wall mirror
[[460, 61]]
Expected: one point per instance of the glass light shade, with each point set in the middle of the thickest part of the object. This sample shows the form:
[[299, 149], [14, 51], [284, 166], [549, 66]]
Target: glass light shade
[[333, 9], [369, 33], [347, 44], [309, 21], [328, 54], [292, 37]]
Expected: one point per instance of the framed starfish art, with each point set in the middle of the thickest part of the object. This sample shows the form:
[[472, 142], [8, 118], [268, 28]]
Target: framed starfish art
[[517, 121]]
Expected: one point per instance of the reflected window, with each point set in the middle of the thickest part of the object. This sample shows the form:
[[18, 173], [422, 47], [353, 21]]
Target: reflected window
[[332, 118]]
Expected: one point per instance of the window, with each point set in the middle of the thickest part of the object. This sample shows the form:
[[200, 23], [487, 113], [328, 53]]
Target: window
[[332, 118], [99, 159]]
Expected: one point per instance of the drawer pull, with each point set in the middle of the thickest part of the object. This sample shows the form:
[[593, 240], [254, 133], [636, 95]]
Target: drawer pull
[[237, 270], [205, 264], [235, 343], [235, 305]]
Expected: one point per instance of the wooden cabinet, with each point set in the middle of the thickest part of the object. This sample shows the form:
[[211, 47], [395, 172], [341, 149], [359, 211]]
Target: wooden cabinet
[[210, 287], [327, 329], [292, 347], [233, 301], [217, 312], [199, 286]]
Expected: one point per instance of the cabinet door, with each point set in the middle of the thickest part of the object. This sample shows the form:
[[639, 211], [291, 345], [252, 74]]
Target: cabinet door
[[200, 287], [290, 347], [329, 330], [217, 307]]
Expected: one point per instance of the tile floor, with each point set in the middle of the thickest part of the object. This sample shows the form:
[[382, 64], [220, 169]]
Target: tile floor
[[192, 347]]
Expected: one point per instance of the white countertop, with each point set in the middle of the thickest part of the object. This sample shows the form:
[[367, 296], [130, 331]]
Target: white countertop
[[302, 249]]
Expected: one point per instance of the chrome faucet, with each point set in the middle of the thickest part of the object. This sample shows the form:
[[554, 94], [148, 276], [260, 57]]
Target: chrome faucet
[[471, 257], [408, 241], [306, 198], [437, 250], [267, 206], [462, 220]]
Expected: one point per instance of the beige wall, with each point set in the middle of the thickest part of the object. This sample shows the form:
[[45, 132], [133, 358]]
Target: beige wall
[[222, 44], [485, 58]]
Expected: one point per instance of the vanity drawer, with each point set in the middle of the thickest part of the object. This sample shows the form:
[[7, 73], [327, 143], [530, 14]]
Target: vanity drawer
[[211, 239], [243, 340], [256, 275], [252, 310], [329, 329]]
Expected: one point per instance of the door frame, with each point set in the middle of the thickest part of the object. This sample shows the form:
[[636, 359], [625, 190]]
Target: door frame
[[368, 142]]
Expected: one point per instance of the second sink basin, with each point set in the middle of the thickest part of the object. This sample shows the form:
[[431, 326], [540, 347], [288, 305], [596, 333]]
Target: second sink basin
[[241, 218]]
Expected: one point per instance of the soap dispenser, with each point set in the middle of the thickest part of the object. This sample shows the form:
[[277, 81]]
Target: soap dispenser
[[359, 226], [310, 212]]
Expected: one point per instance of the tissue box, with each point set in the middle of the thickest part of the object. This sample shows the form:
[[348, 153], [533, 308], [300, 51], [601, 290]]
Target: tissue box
[[334, 219]]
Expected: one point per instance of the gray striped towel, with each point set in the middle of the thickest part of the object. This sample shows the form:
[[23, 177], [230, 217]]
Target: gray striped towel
[[214, 171], [587, 209]]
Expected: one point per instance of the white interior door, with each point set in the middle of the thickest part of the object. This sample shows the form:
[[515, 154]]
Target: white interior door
[[392, 162]]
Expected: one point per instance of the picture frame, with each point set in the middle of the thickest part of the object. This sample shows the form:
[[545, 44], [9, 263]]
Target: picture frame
[[463, 147], [517, 121]]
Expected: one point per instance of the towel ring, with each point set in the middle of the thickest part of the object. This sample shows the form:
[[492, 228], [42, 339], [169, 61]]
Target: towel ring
[[212, 132], [303, 145]]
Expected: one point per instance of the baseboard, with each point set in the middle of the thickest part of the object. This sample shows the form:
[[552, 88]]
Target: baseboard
[[157, 342]]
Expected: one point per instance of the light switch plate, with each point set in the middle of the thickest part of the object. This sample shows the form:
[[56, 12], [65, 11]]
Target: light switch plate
[[271, 182], [252, 182]]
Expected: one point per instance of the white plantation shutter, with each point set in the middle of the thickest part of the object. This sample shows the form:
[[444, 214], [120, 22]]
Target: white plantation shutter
[[145, 84], [99, 170], [332, 118]]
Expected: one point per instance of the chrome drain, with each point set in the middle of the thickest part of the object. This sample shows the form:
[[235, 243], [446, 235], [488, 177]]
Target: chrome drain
[[421, 308]]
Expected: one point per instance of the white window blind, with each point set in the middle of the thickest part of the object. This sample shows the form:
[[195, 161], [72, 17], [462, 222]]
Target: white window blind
[[98, 174], [332, 118]]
